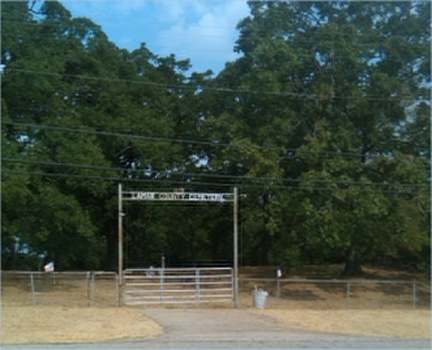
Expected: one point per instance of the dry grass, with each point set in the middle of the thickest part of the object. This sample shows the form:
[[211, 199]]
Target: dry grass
[[71, 291], [372, 309], [324, 297], [62, 314], [334, 296], [396, 323], [57, 324]]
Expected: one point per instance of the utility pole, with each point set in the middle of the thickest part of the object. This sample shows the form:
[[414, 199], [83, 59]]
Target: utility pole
[[236, 282], [120, 243]]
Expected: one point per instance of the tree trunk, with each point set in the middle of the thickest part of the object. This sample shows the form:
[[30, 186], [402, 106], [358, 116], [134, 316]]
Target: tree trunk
[[352, 263]]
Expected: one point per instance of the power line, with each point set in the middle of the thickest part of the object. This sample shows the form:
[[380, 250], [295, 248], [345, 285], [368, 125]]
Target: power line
[[218, 89], [127, 135], [113, 179], [98, 131], [101, 132], [118, 179], [213, 143], [222, 176]]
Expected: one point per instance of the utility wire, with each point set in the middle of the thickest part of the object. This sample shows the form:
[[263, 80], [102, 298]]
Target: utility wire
[[218, 89], [113, 179], [222, 176], [191, 183], [98, 127], [99, 131]]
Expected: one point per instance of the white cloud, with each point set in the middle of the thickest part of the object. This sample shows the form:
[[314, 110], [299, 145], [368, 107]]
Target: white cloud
[[202, 30]]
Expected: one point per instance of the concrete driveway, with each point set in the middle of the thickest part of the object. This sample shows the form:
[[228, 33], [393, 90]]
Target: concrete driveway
[[241, 327]]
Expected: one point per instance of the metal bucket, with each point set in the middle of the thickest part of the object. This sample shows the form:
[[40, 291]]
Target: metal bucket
[[260, 298]]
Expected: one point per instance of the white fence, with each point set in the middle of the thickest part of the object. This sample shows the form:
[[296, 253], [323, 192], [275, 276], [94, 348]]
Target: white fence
[[177, 286]]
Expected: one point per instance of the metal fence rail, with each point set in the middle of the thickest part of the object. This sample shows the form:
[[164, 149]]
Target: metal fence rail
[[203, 285], [349, 287], [177, 286]]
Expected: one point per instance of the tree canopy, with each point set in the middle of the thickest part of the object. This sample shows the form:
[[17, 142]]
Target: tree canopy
[[322, 122]]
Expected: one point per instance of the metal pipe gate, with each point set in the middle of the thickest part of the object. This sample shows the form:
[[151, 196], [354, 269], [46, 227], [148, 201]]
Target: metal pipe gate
[[178, 286]]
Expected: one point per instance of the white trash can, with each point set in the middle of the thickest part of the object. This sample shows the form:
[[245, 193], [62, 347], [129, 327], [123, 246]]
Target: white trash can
[[260, 298]]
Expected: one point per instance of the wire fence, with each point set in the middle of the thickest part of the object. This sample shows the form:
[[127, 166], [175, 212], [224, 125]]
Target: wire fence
[[334, 293], [100, 288], [78, 288]]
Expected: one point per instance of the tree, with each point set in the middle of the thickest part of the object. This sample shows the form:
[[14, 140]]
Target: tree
[[338, 81], [327, 105]]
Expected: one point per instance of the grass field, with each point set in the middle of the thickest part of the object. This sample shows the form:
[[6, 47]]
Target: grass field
[[61, 310], [395, 323], [334, 296], [371, 309], [58, 324]]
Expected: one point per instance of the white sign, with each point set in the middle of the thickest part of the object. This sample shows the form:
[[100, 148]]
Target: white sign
[[49, 267], [278, 273], [178, 196]]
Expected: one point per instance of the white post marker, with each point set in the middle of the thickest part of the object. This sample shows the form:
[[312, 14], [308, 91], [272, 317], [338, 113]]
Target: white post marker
[[278, 277]]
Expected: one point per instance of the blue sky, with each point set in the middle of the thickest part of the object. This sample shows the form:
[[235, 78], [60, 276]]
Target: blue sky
[[202, 30]]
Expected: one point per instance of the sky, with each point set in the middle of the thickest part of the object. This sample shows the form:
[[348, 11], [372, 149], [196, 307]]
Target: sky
[[202, 30]]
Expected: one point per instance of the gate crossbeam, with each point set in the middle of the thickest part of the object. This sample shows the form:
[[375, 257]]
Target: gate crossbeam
[[177, 196], [180, 196]]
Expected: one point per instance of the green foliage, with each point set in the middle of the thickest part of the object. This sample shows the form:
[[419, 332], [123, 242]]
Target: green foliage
[[324, 100]]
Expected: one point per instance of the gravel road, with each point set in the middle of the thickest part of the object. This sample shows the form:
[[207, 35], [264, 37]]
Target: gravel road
[[234, 329]]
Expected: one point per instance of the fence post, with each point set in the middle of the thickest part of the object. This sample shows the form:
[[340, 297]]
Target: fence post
[[414, 294], [161, 283], [232, 287], [254, 291], [93, 286], [117, 288], [197, 285], [88, 288], [348, 290], [32, 284]]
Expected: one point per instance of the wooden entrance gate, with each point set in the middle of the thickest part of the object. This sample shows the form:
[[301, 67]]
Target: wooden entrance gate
[[178, 286]]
